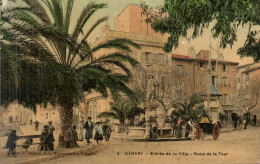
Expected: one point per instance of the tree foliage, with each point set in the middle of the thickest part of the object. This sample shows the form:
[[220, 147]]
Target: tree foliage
[[43, 61], [191, 108], [124, 109], [177, 17]]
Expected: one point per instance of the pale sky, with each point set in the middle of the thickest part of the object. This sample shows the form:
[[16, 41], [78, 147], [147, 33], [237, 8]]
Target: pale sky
[[116, 6]]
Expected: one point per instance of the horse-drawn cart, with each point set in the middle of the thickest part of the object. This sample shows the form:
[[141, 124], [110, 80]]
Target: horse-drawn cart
[[206, 126]]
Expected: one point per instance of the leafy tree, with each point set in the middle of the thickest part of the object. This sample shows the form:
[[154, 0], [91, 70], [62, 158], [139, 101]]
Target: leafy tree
[[56, 66], [177, 17]]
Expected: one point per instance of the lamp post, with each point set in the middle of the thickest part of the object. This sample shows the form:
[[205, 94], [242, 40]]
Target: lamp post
[[209, 78], [147, 114]]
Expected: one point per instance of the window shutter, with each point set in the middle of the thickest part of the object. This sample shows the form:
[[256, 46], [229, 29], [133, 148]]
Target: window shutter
[[228, 81], [184, 70], [167, 60], [143, 57], [220, 80]]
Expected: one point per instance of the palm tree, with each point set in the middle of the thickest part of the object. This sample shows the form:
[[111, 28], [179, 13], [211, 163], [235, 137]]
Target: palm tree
[[122, 110], [189, 109], [58, 66]]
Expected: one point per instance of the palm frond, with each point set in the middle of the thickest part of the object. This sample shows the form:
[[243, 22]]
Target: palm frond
[[108, 115], [38, 10], [98, 22], [68, 15], [84, 16], [119, 44]]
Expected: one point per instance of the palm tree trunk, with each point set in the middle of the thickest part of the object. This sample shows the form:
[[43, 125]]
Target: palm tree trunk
[[66, 115]]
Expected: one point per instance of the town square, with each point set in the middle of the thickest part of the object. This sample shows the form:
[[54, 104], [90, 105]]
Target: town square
[[130, 81]]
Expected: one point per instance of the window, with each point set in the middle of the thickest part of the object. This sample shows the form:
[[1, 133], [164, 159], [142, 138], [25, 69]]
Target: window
[[213, 67], [225, 81], [146, 59], [161, 59], [200, 64], [224, 68], [225, 99], [180, 69], [47, 115], [247, 77], [213, 78]]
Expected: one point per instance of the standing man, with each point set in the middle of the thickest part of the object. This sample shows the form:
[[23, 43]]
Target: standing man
[[89, 129], [245, 123], [36, 125], [179, 128], [235, 124], [107, 130], [51, 128], [11, 143]]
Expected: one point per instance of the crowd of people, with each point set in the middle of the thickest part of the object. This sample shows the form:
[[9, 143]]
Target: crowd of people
[[71, 136], [178, 125], [47, 138], [105, 130]]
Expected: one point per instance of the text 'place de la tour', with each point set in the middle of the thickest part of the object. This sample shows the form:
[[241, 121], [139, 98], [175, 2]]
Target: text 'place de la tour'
[[130, 81]]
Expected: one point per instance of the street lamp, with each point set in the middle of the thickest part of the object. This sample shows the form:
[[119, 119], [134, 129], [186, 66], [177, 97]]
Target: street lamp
[[147, 114]]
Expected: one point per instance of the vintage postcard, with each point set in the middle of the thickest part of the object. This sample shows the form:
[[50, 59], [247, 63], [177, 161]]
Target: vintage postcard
[[130, 81]]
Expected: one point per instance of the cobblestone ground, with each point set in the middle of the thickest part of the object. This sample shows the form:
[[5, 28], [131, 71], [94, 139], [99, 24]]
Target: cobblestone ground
[[240, 146]]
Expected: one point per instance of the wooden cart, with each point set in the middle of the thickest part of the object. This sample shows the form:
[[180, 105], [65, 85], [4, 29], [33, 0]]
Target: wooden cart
[[207, 127]]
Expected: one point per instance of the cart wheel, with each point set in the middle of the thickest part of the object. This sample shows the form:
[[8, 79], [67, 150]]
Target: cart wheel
[[216, 131], [198, 131]]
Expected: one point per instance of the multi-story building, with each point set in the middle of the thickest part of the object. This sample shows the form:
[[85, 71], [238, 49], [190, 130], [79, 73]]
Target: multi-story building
[[131, 24], [198, 73], [248, 86]]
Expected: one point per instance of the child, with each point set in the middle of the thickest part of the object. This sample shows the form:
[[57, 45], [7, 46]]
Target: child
[[11, 143], [99, 132], [27, 143], [75, 135]]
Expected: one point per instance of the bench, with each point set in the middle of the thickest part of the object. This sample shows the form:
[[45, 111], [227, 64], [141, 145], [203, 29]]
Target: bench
[[26, 144]]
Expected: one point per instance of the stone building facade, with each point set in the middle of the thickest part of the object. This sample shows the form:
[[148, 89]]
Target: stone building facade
[[248, 80], [16, 114], [222, 74]]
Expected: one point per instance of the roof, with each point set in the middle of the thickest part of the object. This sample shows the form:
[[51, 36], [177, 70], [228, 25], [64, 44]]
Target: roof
[[213, 91], [251, 70], [248, 65], [184, 57]]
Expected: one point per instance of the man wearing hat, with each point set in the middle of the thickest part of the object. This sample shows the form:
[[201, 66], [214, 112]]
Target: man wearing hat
[[107, 130], [51, 128], [89, 129]]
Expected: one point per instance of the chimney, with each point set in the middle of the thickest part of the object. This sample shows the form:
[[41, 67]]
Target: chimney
[[191, 52], [220, 57], [203, 54]]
